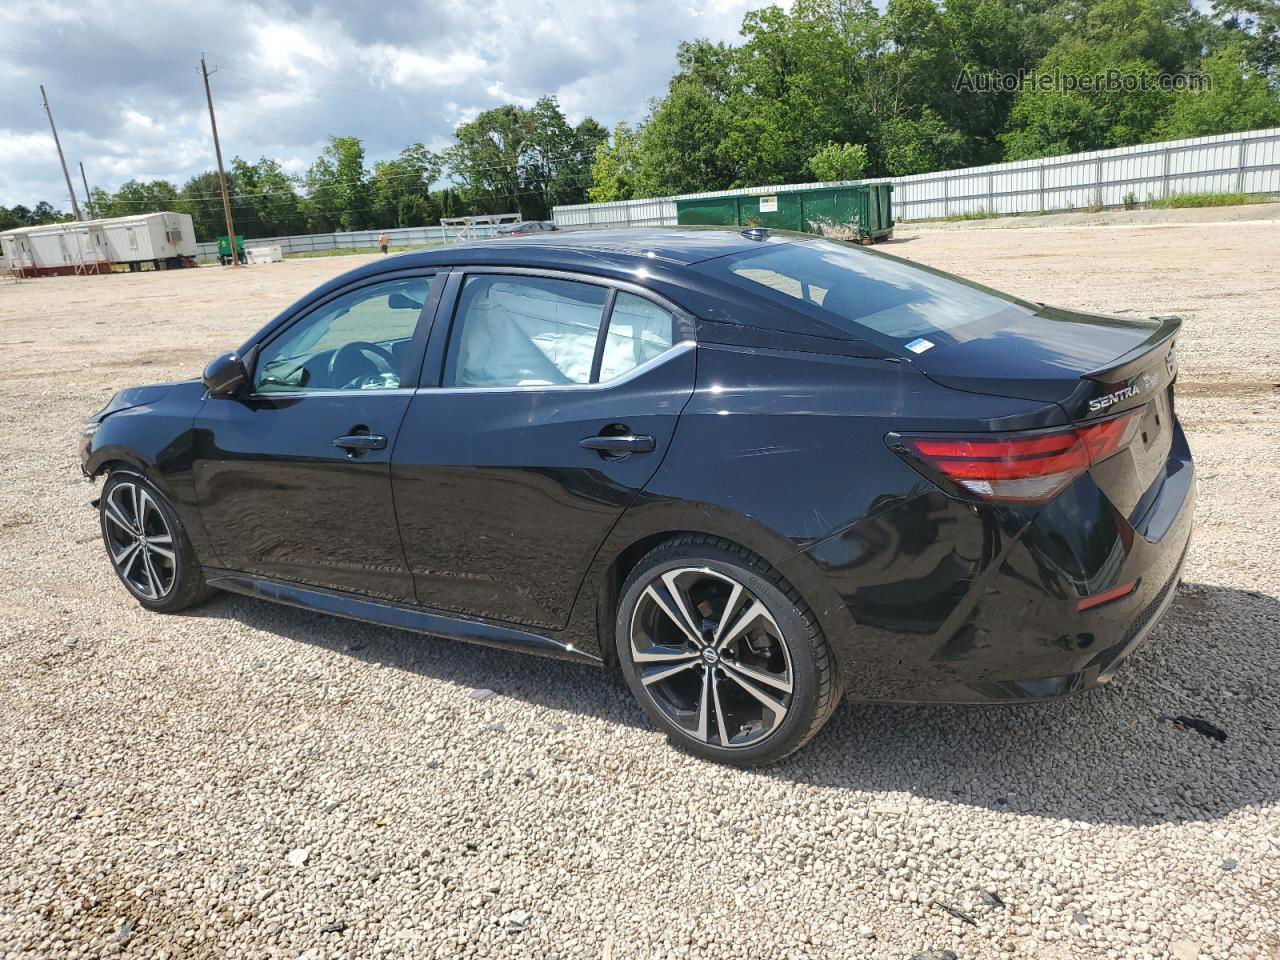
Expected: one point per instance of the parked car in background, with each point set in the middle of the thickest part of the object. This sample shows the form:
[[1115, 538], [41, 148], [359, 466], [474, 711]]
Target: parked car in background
[[754, 472], [526, 227]]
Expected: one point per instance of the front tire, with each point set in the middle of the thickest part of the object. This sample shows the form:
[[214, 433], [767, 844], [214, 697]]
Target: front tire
[[147, 545], [722, 653]]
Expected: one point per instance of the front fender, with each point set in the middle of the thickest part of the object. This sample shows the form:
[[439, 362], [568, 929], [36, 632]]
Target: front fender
[[157, 439]]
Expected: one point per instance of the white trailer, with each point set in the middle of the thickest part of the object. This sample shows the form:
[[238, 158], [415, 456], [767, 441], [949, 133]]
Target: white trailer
[[76, 247], [164, 240]]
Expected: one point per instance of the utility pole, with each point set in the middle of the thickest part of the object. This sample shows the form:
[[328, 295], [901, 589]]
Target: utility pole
[[75, 207], [222, 177], [88, 197]]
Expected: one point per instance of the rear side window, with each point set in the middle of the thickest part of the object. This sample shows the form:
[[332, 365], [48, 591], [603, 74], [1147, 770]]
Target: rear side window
[[896, 300], [524, 331], [639, 330]]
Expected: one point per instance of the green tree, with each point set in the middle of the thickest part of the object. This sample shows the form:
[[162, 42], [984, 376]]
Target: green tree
[[338, 192], [1050, 119], [201, 198], [486, 160], [615, 169], [523, 159], [135, 196], [266, 198], [46, 212], [1238, 98], [680, 143], [1256, 25], [401, 188], [922, 145], [838, 161]]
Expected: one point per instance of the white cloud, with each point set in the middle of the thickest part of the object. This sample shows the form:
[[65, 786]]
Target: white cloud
[[122, 77]]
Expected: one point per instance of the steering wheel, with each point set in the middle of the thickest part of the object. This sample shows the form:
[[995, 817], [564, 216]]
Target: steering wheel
[[359, 360]]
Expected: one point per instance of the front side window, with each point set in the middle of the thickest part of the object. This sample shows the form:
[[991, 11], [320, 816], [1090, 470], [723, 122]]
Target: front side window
[[359, 341], [515, 331]]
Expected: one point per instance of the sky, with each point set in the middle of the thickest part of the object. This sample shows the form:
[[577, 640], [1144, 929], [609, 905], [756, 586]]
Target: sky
[[123, 76]]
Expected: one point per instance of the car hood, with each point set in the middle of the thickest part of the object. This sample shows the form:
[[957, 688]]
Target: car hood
[[133, 397]]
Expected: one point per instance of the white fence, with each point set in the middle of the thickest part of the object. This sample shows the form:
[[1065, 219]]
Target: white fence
[[360, 240], [1232, 163]]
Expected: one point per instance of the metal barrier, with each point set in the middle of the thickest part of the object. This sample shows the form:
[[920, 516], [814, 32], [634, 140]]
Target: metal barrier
[[1246, 162], [358, 239]]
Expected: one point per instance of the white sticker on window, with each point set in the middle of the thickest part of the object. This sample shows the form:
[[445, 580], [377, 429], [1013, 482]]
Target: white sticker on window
[[919, 345], [769, 204]]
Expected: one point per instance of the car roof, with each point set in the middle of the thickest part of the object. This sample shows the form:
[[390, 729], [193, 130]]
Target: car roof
[[626, 244]]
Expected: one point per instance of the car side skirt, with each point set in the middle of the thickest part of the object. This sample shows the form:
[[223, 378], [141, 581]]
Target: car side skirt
[[402, 616]]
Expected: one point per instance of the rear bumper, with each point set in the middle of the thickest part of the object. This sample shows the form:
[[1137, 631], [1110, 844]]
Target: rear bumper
[[957, 602], [1101, 667]]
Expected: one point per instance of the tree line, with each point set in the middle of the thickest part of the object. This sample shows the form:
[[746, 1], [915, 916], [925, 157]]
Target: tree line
[[831, 90], [510, 159], [835, 89]]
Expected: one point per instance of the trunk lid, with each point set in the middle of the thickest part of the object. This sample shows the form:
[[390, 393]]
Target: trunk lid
[[1091, 365], [1094, 367]]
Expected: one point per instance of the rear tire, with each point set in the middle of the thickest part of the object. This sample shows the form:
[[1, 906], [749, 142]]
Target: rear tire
[[147, 545], [723, 653]]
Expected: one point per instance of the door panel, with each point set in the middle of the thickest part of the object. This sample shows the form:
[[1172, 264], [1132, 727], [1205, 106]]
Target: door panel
[[502, 509], [279, 498]]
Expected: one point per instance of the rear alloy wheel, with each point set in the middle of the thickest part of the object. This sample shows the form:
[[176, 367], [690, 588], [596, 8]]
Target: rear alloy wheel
[[147, 545], [720, 655]]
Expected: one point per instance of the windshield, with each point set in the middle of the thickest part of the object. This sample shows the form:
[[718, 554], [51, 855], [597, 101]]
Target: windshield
[[897, 300]]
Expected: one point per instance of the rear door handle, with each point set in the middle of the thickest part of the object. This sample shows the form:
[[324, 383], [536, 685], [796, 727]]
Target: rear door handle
[[361, 443], [619, 445]]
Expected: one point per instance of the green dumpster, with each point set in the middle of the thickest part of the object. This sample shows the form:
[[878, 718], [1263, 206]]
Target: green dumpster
[[224, 248], [861, 212]]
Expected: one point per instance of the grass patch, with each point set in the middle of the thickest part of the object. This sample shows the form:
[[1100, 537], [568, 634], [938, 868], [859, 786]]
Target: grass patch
[[1181, 200], [975, 215]]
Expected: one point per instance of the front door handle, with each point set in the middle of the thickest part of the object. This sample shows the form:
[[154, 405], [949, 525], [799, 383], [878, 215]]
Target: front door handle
[[619, 446], [357, 444]]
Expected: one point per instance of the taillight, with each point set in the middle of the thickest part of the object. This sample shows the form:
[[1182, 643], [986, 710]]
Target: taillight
[[1029, 467]]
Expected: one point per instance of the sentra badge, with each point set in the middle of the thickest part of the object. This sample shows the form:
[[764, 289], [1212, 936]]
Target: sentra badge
[[1110, 399]]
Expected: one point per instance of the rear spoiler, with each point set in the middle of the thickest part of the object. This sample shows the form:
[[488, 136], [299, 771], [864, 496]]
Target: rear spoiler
[[1128, 365]]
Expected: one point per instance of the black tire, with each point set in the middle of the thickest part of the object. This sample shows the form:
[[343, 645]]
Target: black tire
[[782, 653], [177, 582]]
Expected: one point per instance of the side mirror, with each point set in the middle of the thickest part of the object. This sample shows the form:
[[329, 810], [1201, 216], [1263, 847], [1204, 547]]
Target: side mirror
[[225, 374], [398, 301]]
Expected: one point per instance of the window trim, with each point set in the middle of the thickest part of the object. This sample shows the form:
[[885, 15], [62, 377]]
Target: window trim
[[437, 357], [675, 350], [417, 343]]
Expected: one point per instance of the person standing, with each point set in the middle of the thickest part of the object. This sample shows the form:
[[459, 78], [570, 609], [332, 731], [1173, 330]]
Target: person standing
[[384, 241]]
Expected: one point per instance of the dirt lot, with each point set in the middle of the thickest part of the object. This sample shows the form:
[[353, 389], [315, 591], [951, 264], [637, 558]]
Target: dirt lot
[[254, 781]]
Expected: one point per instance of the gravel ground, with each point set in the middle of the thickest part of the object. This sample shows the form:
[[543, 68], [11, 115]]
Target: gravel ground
[[255, 781]]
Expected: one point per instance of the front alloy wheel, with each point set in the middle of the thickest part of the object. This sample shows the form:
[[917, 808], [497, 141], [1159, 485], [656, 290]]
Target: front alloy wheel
[[147, 544], [139, 541]]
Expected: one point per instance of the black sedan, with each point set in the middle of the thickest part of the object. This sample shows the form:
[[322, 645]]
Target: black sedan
[[753, 472]]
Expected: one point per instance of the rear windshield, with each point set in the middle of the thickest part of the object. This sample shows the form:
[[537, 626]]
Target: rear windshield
[[900, 302]]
